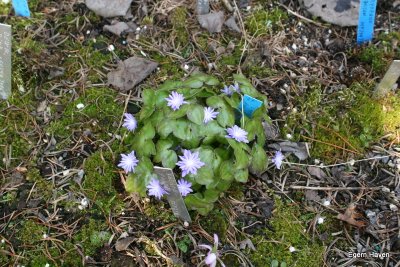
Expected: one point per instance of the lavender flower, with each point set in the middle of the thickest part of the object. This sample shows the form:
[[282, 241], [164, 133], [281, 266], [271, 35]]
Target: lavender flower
[[189, 162], [237, 133], [184, 187], [235, 88], [278, 159], [175, 100], [155, 189], [128, 162], [130, 122], [209, 114], [227, 90], [212, 256]]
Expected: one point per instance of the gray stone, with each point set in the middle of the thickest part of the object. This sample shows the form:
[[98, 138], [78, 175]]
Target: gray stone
[[107, 8], [130, 72], [339, 12]]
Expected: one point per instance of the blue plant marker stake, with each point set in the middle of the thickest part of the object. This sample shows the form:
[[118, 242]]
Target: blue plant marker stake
[[249, 105], [366, 20], [21, 8]]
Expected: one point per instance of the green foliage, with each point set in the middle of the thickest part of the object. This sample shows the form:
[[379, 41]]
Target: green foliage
[[162, 133], [272, 246], [179, 21]]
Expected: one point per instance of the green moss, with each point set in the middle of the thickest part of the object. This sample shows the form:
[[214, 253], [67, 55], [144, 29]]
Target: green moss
[[374, 56], [100, 177], [159, 212], [92, 236], [30, 232], [287, 231], [262, 22], [346, 121], [179, 21], [43, 188], [99, 115], [216, 223]]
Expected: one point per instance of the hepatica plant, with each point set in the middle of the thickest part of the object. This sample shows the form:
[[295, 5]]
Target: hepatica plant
[[196, 128]]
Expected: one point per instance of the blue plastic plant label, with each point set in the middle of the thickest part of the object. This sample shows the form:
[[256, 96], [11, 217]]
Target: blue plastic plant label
[[21, 8], [249, 105], [366, 20]]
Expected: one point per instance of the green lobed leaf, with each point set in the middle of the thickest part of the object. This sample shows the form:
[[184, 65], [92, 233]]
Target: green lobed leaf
[[145, 112], [149, 97], [147, 132], [211, 195], [225, 170], [195, 113], [170, 85], [169, 159], [193, 83], [226, 117], [181, 129], [197, 202], [166, 127], [181, 112], [212, 81], [241, 158], [259, 161], [160, 98], [137, 181], [216, 102], [241, 175]]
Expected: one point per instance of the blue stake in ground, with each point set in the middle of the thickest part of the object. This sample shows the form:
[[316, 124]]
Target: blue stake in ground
[[366, 20], [21, 8]]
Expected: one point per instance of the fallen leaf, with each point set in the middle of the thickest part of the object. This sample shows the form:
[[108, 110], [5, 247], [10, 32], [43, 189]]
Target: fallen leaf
[[317, 172], [106, 8], [247, 244], [212, 21], [299, 149], [123, 243], [130, 72], [312, 195], [231, 24], [352, 217]]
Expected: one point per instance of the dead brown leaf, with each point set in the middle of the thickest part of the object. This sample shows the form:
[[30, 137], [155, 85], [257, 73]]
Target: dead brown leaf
[[353, 217]]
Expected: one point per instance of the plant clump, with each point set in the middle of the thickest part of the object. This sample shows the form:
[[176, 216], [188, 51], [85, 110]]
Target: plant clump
[[197, 130]]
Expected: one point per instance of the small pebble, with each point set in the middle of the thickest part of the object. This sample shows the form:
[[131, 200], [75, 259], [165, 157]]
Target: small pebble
[[289, 136], [292, 249], [111, 48], [80, 106], [45, 236], [393, 207], [66, 172], [186, 67], [320, 220], [326, 202]]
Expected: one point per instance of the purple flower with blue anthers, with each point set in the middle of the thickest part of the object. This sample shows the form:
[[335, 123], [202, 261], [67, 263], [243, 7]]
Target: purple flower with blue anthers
[[128, 162], [184, 187], [237, 133], [130, 122], [175, 100], [209, 114], [278, 159], [155, 189], [189, 162]]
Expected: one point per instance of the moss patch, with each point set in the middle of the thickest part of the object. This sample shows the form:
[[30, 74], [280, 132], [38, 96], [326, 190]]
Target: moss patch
[[92, 236], [262, 22], [288, 231], [179, 21], [347, 121], [99, 181]]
